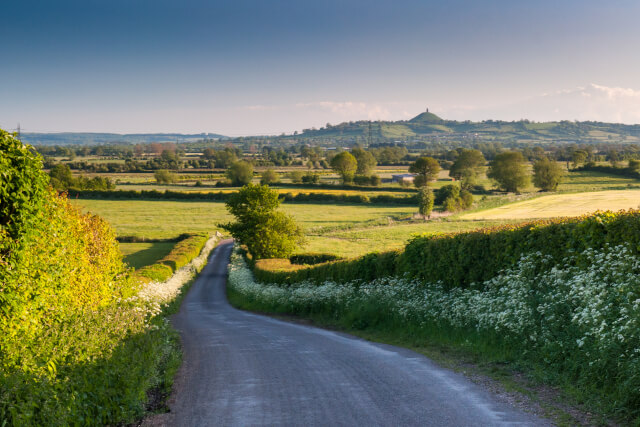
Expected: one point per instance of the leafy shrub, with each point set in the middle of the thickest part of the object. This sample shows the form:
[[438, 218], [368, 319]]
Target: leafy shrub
[[453, 199], [310, 178], [163, 176], [296, 177], [425, 204], [312, 258], [445, 192], [269, 176]]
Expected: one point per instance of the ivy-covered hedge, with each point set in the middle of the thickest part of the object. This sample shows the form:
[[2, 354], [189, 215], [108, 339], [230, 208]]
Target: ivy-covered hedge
[[182, 253], [464, 259]]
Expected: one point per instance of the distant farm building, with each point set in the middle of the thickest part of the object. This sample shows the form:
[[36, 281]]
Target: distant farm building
[[403, 177]]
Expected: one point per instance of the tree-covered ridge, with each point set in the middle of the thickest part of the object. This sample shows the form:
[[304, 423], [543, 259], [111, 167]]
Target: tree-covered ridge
[[429, 124], [94, 138]]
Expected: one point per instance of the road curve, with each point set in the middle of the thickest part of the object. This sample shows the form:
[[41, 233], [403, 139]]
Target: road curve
[[242, 369]]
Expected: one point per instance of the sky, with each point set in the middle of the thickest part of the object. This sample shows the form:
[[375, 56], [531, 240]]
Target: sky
[[251, 67]]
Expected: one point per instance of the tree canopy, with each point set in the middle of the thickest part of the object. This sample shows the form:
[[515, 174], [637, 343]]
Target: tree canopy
[[240, 172], [365, 160], [266, 232], [345, 164], [467, 166], [426, 168], [508, 169], [547, 174]]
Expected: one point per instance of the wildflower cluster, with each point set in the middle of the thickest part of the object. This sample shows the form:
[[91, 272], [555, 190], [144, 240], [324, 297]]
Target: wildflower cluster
[[579, 320]]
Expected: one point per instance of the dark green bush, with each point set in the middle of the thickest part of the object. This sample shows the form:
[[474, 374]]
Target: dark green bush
[[631, 171], [312, 258], [366, 267]]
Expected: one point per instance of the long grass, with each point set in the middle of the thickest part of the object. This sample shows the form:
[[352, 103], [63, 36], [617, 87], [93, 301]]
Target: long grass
[[139, 255]]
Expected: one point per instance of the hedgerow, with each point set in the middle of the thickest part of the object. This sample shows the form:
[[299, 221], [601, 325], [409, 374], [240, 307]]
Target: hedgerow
[[470, 258], [182, 253], [382, 199], [577, 322], [611, 170], [77, 346]]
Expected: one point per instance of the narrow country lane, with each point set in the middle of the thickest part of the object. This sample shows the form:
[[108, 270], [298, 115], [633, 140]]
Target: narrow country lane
[[242, 369]]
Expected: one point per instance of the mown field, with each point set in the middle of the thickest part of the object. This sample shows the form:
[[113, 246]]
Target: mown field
[[555, 205]]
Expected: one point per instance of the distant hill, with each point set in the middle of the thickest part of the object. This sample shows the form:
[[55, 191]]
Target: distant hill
[[427, 126], [84, 138]]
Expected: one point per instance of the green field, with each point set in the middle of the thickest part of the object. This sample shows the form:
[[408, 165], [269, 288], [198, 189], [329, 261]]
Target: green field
[[359, 241], [351, 230], [138, 255], [346, 230]]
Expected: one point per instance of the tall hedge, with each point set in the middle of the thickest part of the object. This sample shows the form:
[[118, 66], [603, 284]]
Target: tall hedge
[[75, 347], [467, 258]]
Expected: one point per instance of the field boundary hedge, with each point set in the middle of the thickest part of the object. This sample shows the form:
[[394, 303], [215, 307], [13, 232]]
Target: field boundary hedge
[[182, 253], [467, 258], [382, 199], [611, 170]]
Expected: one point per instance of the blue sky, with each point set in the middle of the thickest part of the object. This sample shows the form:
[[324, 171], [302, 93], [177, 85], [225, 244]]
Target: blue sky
[[261, 67]]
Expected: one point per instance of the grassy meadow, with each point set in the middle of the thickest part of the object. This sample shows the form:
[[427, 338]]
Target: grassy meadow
[[139, 255], [353, 230]]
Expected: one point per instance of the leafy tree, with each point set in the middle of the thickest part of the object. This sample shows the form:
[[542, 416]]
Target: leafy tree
[[613, 157], [425, 201], [508, 169], [547, 174], [310, 178], [61, 177], [578, 157], [426, 168], [269, 177], [366, 161], [296, 177], [467, 199], [389, 155], [446, 191], [266, 232], [467, 167], [453, 199], [163, 176], [345, 164], [634, 165], [240, 173]]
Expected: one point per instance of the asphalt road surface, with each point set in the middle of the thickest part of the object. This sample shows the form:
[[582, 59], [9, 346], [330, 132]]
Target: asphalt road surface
[[242, 369]]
